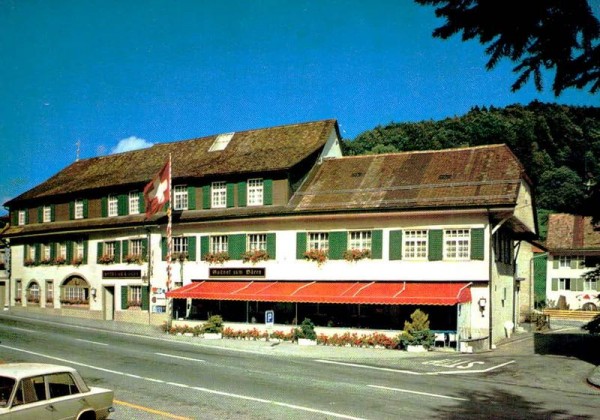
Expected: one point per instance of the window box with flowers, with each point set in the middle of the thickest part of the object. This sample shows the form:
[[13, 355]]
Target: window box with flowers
[[75, 302], [353, 255], [255, 256], [45, 261], [134, 259], [33, 300], [28, 262], [216, 257], [106, 259], [317, 255], [77, 261], [134, 304], [60, 261], [180, 256], [18, 300]]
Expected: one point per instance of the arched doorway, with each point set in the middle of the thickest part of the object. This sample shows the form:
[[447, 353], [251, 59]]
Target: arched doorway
[[33, 293], [75, 291]]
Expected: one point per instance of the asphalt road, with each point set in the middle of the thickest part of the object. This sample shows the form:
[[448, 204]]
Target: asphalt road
[[164, 377]]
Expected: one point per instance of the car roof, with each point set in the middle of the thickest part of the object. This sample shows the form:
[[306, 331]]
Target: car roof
[[23, 370]]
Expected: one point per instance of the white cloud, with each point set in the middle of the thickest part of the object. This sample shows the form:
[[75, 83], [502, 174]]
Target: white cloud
[[130, 143]]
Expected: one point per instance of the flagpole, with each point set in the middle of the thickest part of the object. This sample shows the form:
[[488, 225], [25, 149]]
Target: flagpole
[[169, 241]]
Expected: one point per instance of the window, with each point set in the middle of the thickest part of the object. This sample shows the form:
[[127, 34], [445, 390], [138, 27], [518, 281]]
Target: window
[[113, 206], [47, 214], [33, 293], [21, 218], [46, 252], [61, 251], [564, 284], [180, 245], [221, 142], [49, 291], [78, 210], [134, 297], [79, 249], [180, 197], [30, 390], [590, 284], [415, 244], [61, 384], [255, 192], [218, 244], [134, 202], [360, 240], [257, 242], [109, 249], [318, 240], [18, 290], [30, 253], [75, 290], [564, 261], [456, 244], [218, 194], [135, 247]]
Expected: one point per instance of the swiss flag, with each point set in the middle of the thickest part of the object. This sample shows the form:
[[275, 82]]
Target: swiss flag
[[157, 193]]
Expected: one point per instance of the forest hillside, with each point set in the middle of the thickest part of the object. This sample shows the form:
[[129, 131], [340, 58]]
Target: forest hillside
[[558, 145]]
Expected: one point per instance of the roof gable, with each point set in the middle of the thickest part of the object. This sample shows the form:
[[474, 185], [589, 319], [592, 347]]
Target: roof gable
[[572, 232]]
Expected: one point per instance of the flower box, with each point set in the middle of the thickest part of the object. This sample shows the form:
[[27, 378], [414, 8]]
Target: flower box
[[317, 255], [255, 256], [306, 342], [216, 257]]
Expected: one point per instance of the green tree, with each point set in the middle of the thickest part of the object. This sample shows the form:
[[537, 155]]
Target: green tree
[[536, 35], [560, 189]]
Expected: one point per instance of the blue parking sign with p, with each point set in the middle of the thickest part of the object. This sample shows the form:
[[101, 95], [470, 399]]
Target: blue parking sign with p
[[269, 318]]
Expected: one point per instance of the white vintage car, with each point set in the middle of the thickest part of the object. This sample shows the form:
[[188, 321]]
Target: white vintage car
[[46, 391]]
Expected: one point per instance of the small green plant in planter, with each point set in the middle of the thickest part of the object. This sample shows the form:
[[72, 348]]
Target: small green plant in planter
[[305, 334], [416, 334], [213, 328]]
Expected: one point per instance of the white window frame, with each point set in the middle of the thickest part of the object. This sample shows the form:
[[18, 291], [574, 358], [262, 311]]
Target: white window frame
[[134, 202], [180, 244], [21, 218], [109, 249], [19, 289], [219, 243], [49, 290], [218, 193], [255, 192], [360, 240], [136, 247], [134, 295], [317, 241], [564, 282], [79, 249], [46, 214], [457, 244], [113, 206], [46, 252], [590, 284], [33, 290], [415, 244], [180, 197], [256, 242], [78, 209]]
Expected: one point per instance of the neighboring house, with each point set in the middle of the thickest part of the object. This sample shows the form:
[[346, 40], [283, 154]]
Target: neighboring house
[[276, 219], [4, 265], [574, 249], [531, 278]]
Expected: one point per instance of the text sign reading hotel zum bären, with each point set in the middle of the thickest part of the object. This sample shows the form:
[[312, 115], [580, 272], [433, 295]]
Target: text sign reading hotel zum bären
[[236, 272]]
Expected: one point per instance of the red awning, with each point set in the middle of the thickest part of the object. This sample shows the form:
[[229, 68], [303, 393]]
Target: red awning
[[379, 293]]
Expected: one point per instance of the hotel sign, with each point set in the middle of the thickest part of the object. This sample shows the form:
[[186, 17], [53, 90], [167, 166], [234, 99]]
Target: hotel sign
[[121, 274], [237, 272]]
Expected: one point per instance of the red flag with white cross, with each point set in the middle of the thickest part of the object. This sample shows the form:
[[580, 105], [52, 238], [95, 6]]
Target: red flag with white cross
[[158, 191]]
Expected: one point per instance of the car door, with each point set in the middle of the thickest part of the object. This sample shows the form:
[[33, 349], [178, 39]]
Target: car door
[[66, 400], [29, 401]]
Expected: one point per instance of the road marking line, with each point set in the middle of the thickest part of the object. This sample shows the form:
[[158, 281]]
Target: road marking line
[[331, 362], [150, 410], [455, 372], [181, 357], [22, 329], [206, 390], [91, 342], [408, 391]]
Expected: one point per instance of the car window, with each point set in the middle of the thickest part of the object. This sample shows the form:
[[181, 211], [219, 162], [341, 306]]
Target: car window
[[30, 390], [61, 384], [6, 387]]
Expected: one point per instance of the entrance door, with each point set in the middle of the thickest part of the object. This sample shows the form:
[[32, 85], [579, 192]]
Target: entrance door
[[109, 302], [2, 294]]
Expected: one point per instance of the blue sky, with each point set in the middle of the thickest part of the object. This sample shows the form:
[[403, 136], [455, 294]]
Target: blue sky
[[116, 75]]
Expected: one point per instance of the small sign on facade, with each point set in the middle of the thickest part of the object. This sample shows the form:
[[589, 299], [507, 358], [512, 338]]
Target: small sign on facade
[[121, 274], [237, 272], [269, 318]]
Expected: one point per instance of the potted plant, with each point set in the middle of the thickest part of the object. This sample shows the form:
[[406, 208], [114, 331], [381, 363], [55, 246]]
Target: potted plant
[[305, 335], [416, 335], [255, 256], [213, 328], [216, 257], [317, 255], [106, 259], [60, 260], [77, 261], [353, 255], [133, 259]]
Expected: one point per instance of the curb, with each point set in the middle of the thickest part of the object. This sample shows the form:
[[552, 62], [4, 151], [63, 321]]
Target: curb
[[594, 378]]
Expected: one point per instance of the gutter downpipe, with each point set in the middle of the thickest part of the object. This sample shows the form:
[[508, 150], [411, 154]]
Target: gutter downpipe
[[490, 256]]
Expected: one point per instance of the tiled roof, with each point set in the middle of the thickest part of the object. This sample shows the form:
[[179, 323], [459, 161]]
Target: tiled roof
[[471, 177], [466, 177], [253, 151], [572, 232]]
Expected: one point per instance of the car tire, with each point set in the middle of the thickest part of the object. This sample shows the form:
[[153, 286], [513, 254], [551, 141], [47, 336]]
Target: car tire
[[589, 306]]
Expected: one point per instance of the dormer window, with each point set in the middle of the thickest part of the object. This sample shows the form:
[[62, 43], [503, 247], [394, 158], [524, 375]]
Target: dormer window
[[113, 206], [218, 194], [255, 192], [180, 197], [47, 214], [21, 218], [221, 142], [134, 202], [78, 209]]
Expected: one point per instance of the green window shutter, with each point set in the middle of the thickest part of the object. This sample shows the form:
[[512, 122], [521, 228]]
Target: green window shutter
[[236, 246], [241, 188], [573, 263], [230, 192], [124, 249], [204, 246], [338, 244], [85, 208], [53, 250], [52, 213], [40, 214], [85, 252], [191, 192], [38, 253], [477, 244], [104, 205], [268, 192], [124, 297], [555, 262], [164, 248], [300, 245], [71, 210], [271, 246], [554, 285], [377, 244], [206, 197], [145, 299], [69, 252], [122, 205], [579, 284], [26, 216], [192, 248], [117, 251], [99, 252], [395, 245], [145, 249], [142, 202], [15, 218], [436, 245]]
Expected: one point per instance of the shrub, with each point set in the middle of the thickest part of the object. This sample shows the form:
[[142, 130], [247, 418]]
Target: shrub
[[417, 331], [213, 325], [306, 330], [593, 327]]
